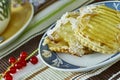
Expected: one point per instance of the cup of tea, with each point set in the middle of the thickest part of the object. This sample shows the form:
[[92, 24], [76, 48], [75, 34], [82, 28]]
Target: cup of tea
[[4, 14]]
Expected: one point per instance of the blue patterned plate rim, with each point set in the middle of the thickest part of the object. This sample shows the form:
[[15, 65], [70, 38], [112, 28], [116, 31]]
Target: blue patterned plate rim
[[52, 60]]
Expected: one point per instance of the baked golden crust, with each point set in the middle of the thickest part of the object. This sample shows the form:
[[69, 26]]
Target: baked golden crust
[[100, 31], [63, 39], [96, 29]]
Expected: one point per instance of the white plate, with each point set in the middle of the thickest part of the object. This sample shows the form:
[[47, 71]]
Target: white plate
[[20, 18], [66, 62]]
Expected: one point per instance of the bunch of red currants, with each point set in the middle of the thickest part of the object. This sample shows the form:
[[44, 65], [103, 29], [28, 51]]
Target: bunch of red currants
[[17, 64]]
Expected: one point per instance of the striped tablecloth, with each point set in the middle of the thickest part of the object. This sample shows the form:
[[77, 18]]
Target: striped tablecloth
[[30, 41]]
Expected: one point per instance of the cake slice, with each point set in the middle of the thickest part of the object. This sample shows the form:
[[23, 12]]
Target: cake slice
[[99, 29], [62, 37]]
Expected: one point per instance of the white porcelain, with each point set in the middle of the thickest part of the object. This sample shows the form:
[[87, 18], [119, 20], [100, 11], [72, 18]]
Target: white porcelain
[[66, 62]]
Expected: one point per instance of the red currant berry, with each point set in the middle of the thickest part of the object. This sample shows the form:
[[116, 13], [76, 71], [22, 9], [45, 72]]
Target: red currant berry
[[13, 70], [12, 60], [20, 59], [18, 65], [34, 60], [23, 55], [8, 77], [6, 73], [23, 62]]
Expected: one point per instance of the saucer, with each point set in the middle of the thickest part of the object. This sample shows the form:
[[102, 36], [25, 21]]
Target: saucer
[[20, 18]]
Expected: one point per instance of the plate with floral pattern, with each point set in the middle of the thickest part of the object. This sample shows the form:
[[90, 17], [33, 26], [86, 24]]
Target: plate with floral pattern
[[66, 62]]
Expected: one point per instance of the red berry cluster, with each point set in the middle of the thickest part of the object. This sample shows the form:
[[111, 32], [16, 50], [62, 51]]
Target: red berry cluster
[[18, 64]]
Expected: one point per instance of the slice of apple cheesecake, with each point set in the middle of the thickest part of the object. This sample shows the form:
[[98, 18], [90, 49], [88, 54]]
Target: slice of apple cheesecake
[[95, 28], [62, 37], [99, 29]]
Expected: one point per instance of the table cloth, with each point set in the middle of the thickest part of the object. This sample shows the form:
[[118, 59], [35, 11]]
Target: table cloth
[[46, 14]]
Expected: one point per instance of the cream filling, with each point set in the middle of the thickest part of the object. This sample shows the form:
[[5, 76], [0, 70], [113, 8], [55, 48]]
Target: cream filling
[[67, 17]]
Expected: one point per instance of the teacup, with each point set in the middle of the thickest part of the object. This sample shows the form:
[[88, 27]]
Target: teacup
[[4, 14]]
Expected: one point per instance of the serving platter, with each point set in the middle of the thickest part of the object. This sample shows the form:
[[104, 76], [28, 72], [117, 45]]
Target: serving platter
[[21, 16], [66, 62]]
